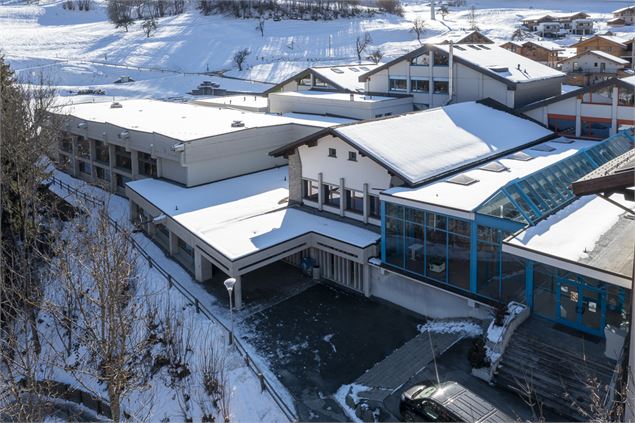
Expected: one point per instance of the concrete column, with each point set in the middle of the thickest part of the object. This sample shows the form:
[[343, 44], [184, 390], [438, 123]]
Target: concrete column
[[366, 279], [202, 267], [132, 210], [613, 129], [159, 168], [93, 153], [173, 244], [134, 168], [342, 197], [366, 201], [111, 165], [238, 293], [320, 192], [430, 78], [578, 120]]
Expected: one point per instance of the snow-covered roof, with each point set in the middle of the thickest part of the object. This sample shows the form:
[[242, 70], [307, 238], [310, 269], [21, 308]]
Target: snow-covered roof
[[423, 145], [346, 76], [181, 121], [629, 80], [469, 197], [549, 45], [243, 215], [611, 38], [253, 102], [502, 62], [605, 243], [329, 95], [624, 9], [601, 54]]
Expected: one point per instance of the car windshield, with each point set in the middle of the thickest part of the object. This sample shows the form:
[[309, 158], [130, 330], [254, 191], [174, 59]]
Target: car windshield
[[426, 392]]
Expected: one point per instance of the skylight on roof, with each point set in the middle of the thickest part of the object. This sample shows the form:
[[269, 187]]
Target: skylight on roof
[[543, 147], [494, 167], [336, 70], [563, 140], [484, 46], [473, 46], [364, 68], [354, 69], [459, 48], [520, 156], [462, 179]]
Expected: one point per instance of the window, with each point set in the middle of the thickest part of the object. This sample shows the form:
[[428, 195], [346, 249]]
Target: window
[[84, 167], [332, 152], [440, 59], [66, 143], [331, 195], [563, 125], [101, 152], [352, 156], [317, 82], [310, 190], [123, 158], [398, 84], [422, 60], [102, 173], [184, 247], [83, 148], [419, 86], [373, 206], [441, 87], [598, 129], [147, 165], [306, 81], [121, 181], [354, 201]]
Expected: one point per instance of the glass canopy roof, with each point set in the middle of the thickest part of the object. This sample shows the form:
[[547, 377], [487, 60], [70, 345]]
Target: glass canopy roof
[[533, 197]]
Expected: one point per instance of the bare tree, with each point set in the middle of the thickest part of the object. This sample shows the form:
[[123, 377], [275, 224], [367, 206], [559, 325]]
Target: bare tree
[[149, 25], [261, 26], [444, 11], [361, 43], [98, 268], [240, 56], [120, 13], [418, 27], [212, 368], [376, 55]]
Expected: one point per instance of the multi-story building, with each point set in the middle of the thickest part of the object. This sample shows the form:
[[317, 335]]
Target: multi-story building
[[594, 112], [623, 16], [559, 24], [545, 52]]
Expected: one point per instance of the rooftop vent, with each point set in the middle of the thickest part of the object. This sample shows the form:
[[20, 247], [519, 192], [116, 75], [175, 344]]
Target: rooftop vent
[[563, 140], [336, 70], [462, 179], [494, 167], [520, 156], [499, 69], [116, 105], [543, 147], [238, 124]]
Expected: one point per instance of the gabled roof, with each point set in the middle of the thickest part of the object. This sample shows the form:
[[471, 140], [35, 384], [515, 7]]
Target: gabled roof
[[459, 37], [422, 146], [610, 38], [344, 77], [549, 45], [598, 53], [624, 9], [628, 83], [494, 61]]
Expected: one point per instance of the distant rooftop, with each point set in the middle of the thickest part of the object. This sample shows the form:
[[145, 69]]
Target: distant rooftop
[[247, 102], [328, 95], [182, 121], [346, 76]]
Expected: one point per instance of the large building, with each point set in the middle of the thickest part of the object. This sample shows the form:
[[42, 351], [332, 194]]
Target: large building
[[435, 75], [593, 112], [114, 143]]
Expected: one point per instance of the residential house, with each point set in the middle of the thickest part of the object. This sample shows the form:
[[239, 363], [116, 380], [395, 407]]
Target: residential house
[[593, 66], [343, 79], [435, 75], [545, 52], [610, 44], [623, 16], [559, 24], [595, 112]]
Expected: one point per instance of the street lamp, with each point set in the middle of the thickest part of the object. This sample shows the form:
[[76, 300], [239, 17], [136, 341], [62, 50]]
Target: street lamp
[[229, 284]]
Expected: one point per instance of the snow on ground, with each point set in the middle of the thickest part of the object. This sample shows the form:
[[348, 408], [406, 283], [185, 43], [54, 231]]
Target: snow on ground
[[81, 49], [340, 396], [248, 404], [469, 328]]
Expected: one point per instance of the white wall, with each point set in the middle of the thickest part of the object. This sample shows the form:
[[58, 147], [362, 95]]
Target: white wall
[[315, 160], [587, 64]]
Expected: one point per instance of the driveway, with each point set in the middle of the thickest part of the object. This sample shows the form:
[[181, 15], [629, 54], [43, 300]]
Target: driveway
[[325, 337]]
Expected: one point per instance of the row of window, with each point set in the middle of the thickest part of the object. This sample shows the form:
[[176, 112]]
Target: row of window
[[589, 128], [352, 155], [418, 86], [332, 196], [439, 59]]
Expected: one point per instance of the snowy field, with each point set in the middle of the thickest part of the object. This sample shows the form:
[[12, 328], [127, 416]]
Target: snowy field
[[79, 50]]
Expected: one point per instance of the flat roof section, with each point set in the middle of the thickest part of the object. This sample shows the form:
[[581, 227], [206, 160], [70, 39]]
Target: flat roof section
[[182, 121], [469, 197], [241, 216], [329, 95], [590, 232], [345, 76]]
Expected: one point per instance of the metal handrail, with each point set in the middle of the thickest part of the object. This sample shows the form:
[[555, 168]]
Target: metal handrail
[[200, 308]]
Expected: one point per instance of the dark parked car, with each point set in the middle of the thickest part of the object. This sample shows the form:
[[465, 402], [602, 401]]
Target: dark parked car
[[447, 402]]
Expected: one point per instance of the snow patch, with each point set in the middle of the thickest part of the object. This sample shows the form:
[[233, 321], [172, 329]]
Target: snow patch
[[470, 329]]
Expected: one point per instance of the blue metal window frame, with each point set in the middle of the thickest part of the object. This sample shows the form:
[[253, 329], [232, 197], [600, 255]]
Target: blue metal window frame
[[581, 286]]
